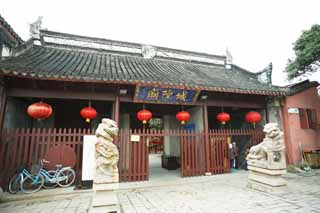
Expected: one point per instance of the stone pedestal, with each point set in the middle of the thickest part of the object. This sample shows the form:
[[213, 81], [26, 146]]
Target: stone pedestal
[[267, 180], [105, 198]]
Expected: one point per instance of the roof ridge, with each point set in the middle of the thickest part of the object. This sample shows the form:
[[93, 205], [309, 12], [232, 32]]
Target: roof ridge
[[134, 47]]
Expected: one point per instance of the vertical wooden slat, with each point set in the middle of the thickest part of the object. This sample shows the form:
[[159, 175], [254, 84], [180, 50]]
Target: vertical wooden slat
[[218, 151], [211, 152], [8, 152], [189, 154], [63, 143], [197, 160], [48, 142], [14, 156], [181, 152], [21, 147], [32, 142], [130, 157], [4, 134], [78, 141], [124, 139], [44, 143], [15, 148], [138, 158], [120, 154], [143, 160], [37, 144]]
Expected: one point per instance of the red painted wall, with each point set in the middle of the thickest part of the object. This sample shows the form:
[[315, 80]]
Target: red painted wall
[[308, 138]]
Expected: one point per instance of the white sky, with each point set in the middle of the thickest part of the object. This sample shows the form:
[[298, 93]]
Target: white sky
[[255, 32]]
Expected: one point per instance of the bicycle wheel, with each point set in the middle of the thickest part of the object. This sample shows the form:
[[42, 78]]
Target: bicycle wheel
[[49, 184], [66, 177], [14, 184], [31, 184]]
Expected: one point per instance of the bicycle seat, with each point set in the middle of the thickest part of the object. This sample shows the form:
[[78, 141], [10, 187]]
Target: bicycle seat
[[59, 166]]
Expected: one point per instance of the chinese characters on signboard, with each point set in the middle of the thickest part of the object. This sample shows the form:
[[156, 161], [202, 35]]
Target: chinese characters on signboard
[[165, 95]]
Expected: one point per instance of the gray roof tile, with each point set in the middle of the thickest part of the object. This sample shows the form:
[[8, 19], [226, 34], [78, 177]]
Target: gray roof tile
[[59, 63]]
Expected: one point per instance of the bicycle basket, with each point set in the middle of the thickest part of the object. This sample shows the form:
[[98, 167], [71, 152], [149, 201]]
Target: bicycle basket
[[35, 169]]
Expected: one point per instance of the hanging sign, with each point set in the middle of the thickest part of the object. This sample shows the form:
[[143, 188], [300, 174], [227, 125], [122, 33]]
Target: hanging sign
[[165, 95]]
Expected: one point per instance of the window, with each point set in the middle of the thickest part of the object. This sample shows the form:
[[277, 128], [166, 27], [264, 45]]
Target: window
[[308, 118]]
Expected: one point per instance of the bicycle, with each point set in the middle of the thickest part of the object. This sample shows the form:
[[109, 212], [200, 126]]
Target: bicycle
[[63, 177], [27, 182]]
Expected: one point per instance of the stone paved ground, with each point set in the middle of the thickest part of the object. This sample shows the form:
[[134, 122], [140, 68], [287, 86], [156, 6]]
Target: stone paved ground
[[66, 204], [219, 193], [224, 193]]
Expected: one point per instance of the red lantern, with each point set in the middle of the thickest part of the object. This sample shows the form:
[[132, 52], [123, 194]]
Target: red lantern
[[223, 117], [39, 110], [88, 113], [253, 117], [183, 116], [144, 116]]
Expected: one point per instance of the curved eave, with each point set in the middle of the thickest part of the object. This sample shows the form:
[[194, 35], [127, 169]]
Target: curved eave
[[139, 82]]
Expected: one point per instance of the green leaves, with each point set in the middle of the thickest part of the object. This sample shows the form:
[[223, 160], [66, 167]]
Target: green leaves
[[307, 51]]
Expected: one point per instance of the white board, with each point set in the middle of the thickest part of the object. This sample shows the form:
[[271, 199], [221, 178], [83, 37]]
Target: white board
[[135, 138], [293, 110], [88, 157]]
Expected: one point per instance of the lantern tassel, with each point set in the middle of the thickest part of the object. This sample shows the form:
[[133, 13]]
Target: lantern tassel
[[88, 120], [183, 122]]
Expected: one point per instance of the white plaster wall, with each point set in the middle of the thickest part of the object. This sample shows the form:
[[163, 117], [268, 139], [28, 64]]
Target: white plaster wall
[[5, 51], [196, 117], [171, 143], [124, 121], [274, 112]]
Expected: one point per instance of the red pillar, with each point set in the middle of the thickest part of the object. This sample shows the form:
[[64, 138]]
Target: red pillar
[[206, 136], [116, 114], [286, 131]]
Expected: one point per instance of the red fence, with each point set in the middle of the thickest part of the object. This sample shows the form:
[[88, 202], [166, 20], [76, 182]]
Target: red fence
[[24, 147]]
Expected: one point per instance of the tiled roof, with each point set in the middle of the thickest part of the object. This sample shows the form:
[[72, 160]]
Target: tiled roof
[[301, 86], [62, 62]]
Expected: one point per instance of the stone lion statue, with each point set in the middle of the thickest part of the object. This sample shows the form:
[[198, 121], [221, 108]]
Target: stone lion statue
[[270, 152], [107, 154]]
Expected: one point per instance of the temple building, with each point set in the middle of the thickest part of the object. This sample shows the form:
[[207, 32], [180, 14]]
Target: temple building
[[143, 88]]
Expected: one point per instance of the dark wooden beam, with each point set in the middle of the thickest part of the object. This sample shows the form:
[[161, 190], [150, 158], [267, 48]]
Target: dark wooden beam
[[116, 110], [58, 94], [3, 104], [236, 103]]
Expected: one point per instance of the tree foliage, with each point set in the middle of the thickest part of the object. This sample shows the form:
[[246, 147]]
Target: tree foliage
[[307, 51]]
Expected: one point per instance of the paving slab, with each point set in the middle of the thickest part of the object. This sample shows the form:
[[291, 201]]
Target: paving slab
[[217, 193]]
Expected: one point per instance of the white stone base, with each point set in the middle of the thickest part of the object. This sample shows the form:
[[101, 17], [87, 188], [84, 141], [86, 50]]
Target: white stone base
[[265, 179], [264, 187], [105, 199]]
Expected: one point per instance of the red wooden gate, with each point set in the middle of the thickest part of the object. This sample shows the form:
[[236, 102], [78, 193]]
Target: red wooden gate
[[192, 152], [133, 162]]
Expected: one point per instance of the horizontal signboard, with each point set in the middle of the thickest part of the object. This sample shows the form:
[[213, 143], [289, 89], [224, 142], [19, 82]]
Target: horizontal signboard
[[165, 95]]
